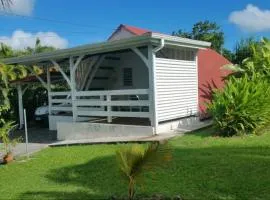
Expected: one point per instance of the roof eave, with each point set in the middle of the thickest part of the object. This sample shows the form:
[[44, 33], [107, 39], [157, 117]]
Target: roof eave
[[108, 46], [104, 47], [179, 41]]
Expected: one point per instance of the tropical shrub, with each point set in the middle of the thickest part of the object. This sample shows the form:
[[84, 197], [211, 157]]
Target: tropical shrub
[[35, 94], [242, 107], [7, 74], [5, 137], [134, 159]]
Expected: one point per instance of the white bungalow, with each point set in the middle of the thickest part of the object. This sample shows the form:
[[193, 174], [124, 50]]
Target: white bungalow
[[129, 85]]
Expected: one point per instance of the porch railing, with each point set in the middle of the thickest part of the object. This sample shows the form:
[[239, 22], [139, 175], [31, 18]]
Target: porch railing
[[110, 103], [60, 102], [113, 103]]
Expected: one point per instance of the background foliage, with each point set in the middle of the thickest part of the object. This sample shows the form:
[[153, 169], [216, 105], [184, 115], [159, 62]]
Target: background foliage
[[205, 31], [35, 95]]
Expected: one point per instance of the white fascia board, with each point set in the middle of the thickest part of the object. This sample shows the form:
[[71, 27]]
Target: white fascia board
[[108, 46], [179, 41], [89, 49]]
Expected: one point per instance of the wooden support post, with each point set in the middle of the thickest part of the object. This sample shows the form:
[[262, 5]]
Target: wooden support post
[[73, 89], [149, 61], [49, 90], [57, 66], [77, 64], [109, 109], [152, 88], [102, 99], [20, 102]]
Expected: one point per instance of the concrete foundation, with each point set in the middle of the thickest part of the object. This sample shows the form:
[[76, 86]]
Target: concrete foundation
[[83, 130], [103, 131], [182, 125], [54, 119]]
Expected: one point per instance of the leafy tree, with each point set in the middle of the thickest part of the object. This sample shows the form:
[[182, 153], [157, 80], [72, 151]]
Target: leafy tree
[[8, 73], [205, 31], [244, 49], [38, 48], [254, 58], [228, 54], [35, 93], [6, 51]]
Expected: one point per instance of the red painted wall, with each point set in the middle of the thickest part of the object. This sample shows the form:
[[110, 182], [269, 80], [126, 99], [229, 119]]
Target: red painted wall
[[210, 75]]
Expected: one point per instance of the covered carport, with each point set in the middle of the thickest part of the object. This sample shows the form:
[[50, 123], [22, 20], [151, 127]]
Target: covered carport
[[23, 84]]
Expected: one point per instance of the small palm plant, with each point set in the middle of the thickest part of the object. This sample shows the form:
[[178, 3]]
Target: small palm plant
[[7, 73], [8, 143], [134, 159]]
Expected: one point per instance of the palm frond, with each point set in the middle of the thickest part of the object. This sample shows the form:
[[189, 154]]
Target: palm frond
[[135, 159], [233, 68]]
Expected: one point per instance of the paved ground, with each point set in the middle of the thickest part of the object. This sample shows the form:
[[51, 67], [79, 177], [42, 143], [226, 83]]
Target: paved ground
[[38, 139]]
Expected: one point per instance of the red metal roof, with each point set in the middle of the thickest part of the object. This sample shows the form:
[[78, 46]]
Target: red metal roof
[[132, 29], [135, 30], [211, 76]]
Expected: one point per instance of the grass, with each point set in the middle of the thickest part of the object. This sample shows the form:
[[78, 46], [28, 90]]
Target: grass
[[203, 167]]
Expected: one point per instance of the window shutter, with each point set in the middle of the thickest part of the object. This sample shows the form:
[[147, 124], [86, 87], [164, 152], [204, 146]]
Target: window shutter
[[127, 77]]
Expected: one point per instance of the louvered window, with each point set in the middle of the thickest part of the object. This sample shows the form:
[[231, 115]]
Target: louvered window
[[177, 54], [127, 77]]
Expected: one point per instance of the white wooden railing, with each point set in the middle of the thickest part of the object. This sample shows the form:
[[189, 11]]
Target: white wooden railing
[[117, 103], [110, 103], [60, 102]]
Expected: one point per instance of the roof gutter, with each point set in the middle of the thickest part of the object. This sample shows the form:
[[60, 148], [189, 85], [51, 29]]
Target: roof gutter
[[161, 46], [178, 41]]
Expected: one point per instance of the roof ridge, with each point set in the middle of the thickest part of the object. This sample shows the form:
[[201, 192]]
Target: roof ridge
[[135, 30]]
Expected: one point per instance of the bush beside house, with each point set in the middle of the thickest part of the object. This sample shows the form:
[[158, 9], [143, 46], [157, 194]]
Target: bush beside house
[[243, 106]]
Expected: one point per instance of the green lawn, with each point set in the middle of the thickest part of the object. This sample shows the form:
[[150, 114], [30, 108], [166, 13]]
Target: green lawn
[[203, 167]]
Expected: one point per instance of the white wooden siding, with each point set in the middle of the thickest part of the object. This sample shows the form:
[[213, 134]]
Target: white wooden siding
[[177, 89]]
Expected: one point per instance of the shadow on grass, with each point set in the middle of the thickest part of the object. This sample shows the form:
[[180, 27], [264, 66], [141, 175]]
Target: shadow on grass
[[201, 173], [204, 132], [97, 179], [58, 195]]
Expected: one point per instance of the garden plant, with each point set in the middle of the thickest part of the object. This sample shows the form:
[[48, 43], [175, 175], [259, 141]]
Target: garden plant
[[242, 107]]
